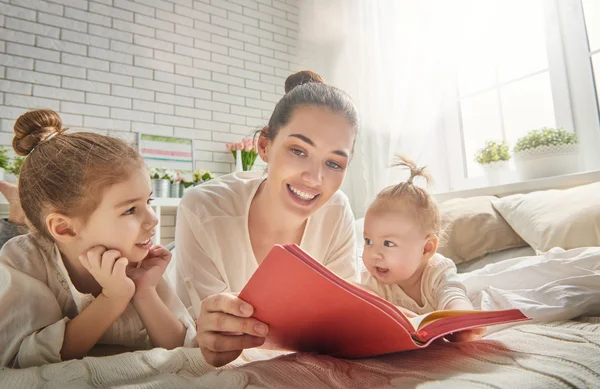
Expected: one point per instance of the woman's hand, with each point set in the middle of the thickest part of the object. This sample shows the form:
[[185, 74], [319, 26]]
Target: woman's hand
[[108, 269], [225, 328], [150, 270]]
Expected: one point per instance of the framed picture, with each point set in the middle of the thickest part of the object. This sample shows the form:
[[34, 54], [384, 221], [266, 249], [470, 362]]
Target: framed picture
[[167, 152]]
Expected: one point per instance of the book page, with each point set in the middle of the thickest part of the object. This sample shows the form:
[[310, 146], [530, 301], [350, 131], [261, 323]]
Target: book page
[[416, 321], [422, 320]]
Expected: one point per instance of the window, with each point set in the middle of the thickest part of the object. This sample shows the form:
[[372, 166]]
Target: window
[[522, 66], [591, 11]]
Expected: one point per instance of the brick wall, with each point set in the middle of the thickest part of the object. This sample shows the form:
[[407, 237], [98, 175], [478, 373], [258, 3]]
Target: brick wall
[[210, 70]]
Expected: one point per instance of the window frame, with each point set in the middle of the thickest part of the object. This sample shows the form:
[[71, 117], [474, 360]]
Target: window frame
[[573, 92]]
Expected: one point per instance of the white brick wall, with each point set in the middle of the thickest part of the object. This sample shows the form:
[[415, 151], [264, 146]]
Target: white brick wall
[[210, 70]]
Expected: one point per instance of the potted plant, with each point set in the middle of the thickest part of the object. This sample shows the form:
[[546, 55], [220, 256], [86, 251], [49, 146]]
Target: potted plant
[[201, 175], [493, 158], [546, 152], [244, 154], [4, 161], [161, 182], [185, 185], [176, 184]]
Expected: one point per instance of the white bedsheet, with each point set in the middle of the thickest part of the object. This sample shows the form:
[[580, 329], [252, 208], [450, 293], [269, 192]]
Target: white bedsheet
[[558, 285]]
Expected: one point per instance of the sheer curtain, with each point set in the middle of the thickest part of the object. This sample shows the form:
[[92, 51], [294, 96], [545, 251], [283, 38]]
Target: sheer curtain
[[394, 58]]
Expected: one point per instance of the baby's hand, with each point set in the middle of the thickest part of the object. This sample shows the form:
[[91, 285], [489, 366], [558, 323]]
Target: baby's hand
[[108, 269], [150, 271], [467, 336]]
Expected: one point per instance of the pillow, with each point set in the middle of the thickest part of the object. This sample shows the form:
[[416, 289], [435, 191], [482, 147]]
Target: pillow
[[473, 228], [567, 218]]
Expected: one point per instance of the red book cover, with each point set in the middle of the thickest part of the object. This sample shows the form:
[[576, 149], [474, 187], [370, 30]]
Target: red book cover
[[308, 308]]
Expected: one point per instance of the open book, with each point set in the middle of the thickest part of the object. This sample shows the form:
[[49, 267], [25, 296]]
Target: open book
[[308, 308]]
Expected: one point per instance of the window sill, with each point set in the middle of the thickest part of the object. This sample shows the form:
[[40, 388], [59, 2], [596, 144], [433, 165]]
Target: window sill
[[555, 182]]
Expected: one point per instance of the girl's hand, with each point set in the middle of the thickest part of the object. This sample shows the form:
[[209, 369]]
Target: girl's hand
[[150, 270], [225, 328], [467, 336], [108, 269]]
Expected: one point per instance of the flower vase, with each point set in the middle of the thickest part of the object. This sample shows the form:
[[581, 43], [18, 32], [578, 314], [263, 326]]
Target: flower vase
[[238, 161]]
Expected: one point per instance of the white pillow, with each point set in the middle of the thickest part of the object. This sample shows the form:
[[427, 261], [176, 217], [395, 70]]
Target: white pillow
[[567, 218]]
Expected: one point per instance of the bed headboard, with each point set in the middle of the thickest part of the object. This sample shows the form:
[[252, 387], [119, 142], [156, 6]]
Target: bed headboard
[[558, 182]]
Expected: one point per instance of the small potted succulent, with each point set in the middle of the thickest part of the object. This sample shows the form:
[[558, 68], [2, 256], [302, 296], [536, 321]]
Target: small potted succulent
[[161, 182], [4, 161], [493, 158], [546, 152]]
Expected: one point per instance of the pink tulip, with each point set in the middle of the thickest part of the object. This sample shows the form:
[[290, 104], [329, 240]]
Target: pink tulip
[[228, 145], [248, 145]]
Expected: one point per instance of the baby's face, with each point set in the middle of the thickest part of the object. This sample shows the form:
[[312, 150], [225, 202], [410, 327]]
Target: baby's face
[[394, 245]]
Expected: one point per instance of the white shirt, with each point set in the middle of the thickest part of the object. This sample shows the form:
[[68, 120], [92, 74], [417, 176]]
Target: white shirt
[[214, 252], [439, 285], [37, 300]]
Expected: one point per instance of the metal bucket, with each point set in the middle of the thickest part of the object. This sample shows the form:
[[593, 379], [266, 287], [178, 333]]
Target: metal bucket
[[176, 189], [161, 188]]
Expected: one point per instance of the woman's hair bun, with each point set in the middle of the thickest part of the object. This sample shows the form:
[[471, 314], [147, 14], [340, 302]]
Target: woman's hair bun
[[302, 77], [34, 127]]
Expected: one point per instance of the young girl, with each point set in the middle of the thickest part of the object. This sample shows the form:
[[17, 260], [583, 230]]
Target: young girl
[[401, 233], [88, 274]]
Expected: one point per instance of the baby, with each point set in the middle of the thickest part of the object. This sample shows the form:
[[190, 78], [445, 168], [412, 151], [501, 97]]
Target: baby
[[401, 233]]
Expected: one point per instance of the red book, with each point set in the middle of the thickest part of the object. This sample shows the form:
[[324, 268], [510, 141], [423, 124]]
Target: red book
[[308, 308]]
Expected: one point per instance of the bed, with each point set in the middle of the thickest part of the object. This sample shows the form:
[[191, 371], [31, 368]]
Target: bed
[[559, 288]]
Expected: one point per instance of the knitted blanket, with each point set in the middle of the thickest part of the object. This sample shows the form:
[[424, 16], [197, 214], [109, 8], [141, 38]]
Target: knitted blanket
[[554, 355]]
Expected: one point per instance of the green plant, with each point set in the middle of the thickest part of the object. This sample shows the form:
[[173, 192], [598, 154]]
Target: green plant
[[4, 160], [492, 152], [545, 137], [15, 166], [247, 149], [201, 175], [162, 174]]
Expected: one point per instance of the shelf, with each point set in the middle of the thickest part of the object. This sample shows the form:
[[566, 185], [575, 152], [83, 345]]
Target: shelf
[[556, 182], [168, 202]]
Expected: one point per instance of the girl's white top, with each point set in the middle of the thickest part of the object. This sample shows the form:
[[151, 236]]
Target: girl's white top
[[37, 300]]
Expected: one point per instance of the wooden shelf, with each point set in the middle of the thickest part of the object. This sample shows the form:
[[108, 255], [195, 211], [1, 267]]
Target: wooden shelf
[[159, 203], [167, 202]]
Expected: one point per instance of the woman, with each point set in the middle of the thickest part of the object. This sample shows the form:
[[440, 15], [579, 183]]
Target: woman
[[226, 227]]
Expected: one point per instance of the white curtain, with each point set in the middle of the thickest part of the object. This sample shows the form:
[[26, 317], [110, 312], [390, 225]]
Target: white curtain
[[434, 79], [394, 58]]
